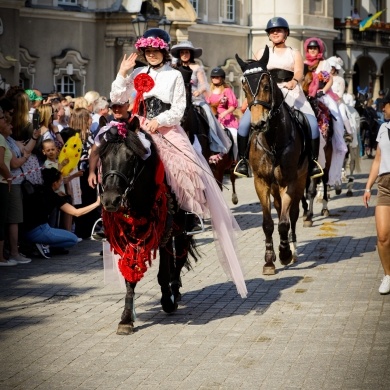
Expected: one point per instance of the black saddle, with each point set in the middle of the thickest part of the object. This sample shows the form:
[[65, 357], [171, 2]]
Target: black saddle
[[303, 127]]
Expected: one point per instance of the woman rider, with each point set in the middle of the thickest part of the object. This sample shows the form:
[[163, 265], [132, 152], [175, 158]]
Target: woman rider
[[286, 67], [186, 53], [160, 103]]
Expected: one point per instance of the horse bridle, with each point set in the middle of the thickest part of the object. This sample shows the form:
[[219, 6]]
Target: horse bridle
[[129, 183], [254, 89]]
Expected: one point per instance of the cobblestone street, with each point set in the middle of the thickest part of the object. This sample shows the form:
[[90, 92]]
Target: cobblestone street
[[319, 324]]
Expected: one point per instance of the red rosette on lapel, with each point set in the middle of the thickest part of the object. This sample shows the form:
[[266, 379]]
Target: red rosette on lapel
[[142, 83]]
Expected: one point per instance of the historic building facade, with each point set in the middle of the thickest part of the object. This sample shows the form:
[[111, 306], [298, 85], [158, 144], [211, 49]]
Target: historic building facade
[[73, 46]]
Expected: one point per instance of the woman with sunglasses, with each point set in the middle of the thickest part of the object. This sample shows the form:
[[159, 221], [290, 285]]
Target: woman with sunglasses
[[286, 67]]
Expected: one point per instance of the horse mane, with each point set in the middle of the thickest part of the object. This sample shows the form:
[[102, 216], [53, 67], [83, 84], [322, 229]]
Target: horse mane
[[113, 140]]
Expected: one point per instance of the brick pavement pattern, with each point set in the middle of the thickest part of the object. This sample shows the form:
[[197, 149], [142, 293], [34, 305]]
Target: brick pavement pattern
[[319, 324]]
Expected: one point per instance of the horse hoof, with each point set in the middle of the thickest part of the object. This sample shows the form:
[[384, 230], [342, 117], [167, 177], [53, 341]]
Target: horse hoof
[[307, 223], [168, 303], [288, 260], [294, 259], [234, 199], [325, 212], [349, 193], [125, 329], [269, 270]]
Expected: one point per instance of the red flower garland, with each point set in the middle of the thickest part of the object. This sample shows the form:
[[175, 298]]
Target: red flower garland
[[142, 83], [136, 240]]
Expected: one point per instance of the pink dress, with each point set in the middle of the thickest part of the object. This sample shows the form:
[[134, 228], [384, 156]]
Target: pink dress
[[225, 100], [187, 172]]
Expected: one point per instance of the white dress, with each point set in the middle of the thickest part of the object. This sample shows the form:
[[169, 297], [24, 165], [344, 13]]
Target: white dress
[[338, 143]]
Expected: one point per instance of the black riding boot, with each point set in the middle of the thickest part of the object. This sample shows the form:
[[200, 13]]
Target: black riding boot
[[242, 168], [315, 169]]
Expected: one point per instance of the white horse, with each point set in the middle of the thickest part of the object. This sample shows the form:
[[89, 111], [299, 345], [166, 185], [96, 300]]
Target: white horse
[[352, 159]]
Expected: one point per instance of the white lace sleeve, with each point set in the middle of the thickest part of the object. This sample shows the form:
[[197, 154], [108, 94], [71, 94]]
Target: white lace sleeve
[[177, 99], [121, 89]]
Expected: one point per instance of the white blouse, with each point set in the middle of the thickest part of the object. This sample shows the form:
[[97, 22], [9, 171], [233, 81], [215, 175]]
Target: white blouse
[[169, 88]]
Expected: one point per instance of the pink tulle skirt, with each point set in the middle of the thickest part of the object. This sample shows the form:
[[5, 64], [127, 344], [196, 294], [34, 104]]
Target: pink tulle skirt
[[193, 183]]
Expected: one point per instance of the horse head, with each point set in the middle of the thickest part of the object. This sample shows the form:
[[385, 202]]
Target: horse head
[[361, 98], [260, 90], [127, 179]]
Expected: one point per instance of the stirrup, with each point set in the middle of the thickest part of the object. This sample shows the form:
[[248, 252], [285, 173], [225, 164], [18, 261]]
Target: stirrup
[[243, 161], [317, 174], [97, 233], [201, 226]]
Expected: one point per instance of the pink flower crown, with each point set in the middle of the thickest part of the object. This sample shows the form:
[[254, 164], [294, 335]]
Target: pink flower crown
[[156, 43]]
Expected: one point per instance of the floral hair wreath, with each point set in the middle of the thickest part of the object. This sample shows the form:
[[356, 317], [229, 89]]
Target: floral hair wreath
[[156, 43]]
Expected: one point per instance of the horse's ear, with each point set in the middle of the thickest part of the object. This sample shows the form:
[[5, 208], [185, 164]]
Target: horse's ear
[[264, 59], [133, 123], [243, 64]]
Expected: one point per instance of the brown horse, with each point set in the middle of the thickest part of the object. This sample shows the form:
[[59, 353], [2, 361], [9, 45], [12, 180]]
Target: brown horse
[[276, 156], [195, 122]]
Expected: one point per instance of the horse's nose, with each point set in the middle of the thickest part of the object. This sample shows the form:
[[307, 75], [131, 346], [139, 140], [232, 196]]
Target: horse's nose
[[111, 202]]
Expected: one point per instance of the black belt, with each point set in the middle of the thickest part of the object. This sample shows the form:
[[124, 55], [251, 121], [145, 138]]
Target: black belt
[[154, 107], [281, 75]]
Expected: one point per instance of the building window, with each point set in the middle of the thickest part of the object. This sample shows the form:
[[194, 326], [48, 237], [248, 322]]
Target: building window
[[66, 86], [195, 4], [228, 10], [67, 2]]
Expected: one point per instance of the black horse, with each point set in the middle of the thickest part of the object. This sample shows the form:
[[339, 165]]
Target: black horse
[[195, 122], [369, 125], [140, 215]]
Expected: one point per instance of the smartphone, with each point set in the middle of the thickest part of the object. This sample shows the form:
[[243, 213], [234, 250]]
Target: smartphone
[[36, 121]]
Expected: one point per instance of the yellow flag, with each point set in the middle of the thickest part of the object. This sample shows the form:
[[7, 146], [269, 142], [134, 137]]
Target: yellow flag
[[367, 22]]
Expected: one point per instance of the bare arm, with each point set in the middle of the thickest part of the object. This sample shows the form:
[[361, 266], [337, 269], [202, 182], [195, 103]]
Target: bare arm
[[93, 161], [32, 141], [4, 171], [69, 209], [17, 162]]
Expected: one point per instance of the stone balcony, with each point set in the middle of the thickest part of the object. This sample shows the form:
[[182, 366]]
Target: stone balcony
[[377, 36]]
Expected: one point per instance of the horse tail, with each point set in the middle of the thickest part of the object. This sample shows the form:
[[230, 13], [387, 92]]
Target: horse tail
[[193, 251]]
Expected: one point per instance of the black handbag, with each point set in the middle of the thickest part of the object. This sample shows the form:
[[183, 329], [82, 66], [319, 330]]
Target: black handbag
[[28, 188]]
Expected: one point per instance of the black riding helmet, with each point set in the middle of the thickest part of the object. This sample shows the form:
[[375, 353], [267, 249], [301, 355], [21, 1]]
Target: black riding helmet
[[218, 72], [157, 33], [278, 22], [313, 44]]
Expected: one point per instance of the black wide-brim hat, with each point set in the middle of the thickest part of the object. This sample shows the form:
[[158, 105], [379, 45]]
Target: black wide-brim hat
[[186, 45]]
